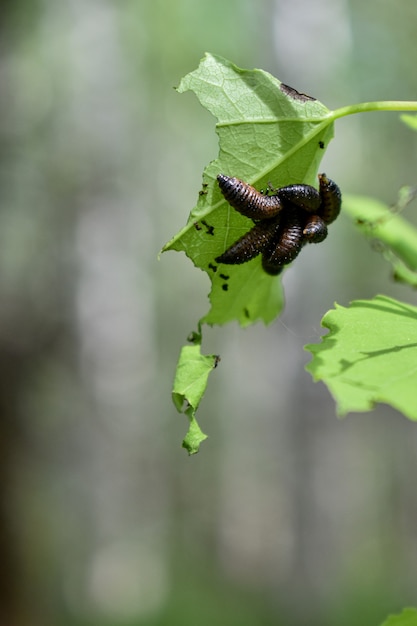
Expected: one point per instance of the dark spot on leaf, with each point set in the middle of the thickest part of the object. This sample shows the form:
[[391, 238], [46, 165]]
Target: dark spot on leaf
[[212, 267], [246, 312], [294, 94], [217, 360], [197, 226], [378, 246], [321, 145], [202, 192], [224, 276], [210, 229], [225, 287]]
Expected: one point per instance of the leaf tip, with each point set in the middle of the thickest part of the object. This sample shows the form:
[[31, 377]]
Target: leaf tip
[[195, 436]]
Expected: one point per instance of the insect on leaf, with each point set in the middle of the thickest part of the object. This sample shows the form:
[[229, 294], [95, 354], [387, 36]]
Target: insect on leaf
[[268, 133]]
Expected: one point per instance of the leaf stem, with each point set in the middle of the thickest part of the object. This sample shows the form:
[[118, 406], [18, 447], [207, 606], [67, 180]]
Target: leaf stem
[[364, 107]]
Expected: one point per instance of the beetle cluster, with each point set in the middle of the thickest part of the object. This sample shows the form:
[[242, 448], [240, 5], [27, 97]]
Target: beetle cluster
[[284, 221]]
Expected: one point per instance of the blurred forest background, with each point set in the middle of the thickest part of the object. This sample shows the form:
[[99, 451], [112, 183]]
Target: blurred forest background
[[288, 515]]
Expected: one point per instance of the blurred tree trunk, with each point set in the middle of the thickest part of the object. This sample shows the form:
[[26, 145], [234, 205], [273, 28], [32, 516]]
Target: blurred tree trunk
[[9, 586], [23, 337]]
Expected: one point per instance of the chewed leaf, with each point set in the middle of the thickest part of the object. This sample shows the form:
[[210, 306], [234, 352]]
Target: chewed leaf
[[369, 355], [190, 383], [408, 617], [268, 133], [398, 236]]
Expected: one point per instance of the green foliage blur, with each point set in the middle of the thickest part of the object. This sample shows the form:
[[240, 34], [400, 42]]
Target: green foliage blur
[[103, 519]]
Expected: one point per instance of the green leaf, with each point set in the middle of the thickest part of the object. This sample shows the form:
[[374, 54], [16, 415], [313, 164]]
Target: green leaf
[[409, 120], [408, 617], [397, 235], [268, 133], [369, 355], [190, 383]]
